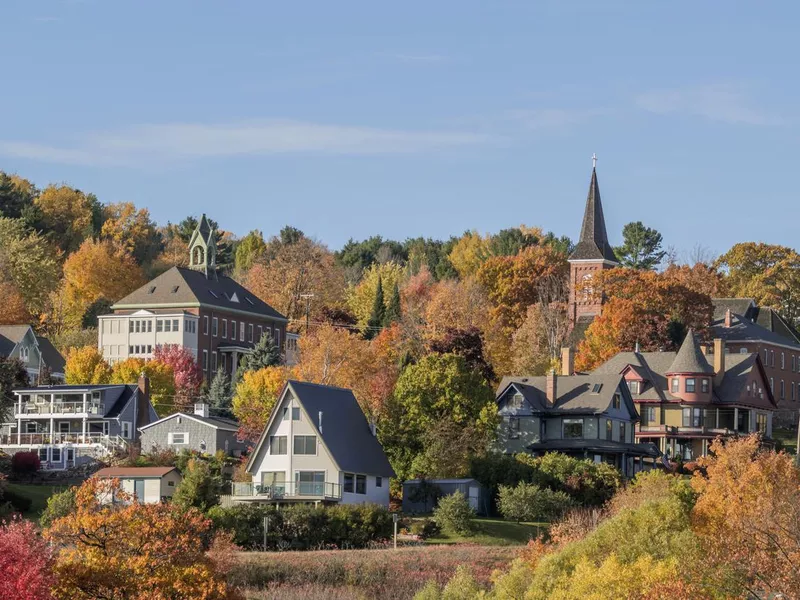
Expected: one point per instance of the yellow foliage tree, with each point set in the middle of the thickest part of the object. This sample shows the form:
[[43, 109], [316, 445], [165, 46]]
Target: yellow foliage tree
[[469, 253], [97, 271], [162, 381], [67, 213], [131, 231], [361, 297], [255, 396], [86, 366]]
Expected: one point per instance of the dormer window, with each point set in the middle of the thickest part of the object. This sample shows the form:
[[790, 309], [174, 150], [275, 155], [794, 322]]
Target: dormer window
[[617, 401], [516, 401], [633, 386]]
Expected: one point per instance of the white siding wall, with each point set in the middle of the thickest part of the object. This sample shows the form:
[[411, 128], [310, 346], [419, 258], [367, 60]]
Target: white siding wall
[[115, 337], [376, 495]]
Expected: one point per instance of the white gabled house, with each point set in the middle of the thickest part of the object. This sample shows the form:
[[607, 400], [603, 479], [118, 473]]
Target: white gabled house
[[317, 447]]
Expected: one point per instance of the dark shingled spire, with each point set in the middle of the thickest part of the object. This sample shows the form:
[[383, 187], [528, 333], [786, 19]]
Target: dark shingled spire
[[593, 243], [690, 358]]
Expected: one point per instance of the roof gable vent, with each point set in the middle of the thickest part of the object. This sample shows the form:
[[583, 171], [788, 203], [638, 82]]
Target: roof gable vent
[[234, 297]]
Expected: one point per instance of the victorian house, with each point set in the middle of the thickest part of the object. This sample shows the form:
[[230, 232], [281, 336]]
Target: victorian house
[[39, 357], [688, 398], [196, 307]]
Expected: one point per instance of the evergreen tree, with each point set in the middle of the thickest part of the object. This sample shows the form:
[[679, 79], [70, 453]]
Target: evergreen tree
[[219, 393], [394, 311], [199, 487], [265, 354], [641, 247], [378, 316]]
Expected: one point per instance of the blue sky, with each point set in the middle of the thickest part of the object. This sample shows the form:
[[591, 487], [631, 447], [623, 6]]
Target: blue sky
[[348, 119]]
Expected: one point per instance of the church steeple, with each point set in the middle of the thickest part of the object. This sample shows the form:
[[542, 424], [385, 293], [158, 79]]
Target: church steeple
[[593, 243], [203, 249]]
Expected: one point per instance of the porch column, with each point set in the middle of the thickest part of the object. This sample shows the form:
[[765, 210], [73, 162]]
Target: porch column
[[52, 397], [735, 419], [705, 447], [717, 425], [52, 429], [85, 408], [19, 419]]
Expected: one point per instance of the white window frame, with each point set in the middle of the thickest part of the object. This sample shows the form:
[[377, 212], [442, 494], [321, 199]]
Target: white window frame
[[316, 445], [171, 438], [126, 429]]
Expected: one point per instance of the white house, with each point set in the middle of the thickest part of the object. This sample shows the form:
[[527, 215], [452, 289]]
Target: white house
[[317, 447], [149, 485]]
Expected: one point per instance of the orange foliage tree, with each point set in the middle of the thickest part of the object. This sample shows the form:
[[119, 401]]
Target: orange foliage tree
[[643, 307], [131, 551], [747, 517], [14, 308]]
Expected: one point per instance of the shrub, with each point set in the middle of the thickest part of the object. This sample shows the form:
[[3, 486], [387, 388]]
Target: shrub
[[59, 505], [199, 488], [20, 503], [26, 562], [529, 502], [454, 514], [424, 528], [25, 464], [588, 483]]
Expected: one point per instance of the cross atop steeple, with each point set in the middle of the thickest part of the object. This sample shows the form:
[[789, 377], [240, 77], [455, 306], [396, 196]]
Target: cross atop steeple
[[594, 161]]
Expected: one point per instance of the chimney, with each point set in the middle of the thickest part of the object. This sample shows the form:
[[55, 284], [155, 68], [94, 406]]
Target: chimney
[[320, 421], [567, 361], [372, 427], [552, 387], [143, 402], [719, 360], [201, 409], [728, 318]]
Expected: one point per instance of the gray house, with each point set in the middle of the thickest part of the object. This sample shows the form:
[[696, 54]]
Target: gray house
[[35, 352], [71, 424], [586, 416], [198, 432]]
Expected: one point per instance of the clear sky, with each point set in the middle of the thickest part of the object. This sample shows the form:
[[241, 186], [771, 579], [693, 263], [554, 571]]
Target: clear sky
[[348, 119]]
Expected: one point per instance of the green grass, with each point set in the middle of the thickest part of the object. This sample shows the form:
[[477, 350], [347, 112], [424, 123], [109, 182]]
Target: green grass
[[494, 532], [38, 494], [787, 438]]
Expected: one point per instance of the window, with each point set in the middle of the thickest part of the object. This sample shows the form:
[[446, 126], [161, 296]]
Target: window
[[43, 454], [250, 329], [273, 478], [792, 392], [295, 413], [516, 401], [224, 328], [783, 361], [149, 326], [149, 349], [772, 358], [633, 386], [690, 382], [63, 427], [761, 422], [771, 385], [159, 326], [278, 338], [608, 429], [617, 400], [513, 428], [649, 415], [241, 331], [205, 325], [349, 483], [214, 362], [55, 455], [177, 438], [277, 444], [130, 326], [233, 330], [305, 444], [742, 350], [215, 327], [704, 385], [379, 481], [130, 349], [260, 332], [361, 484], [766, 357], [675, 385], [126, 429], [205, 360], [168, 325], [285, 413], [783, 390], [621, 431], [175, 324], [573, 428], [691, 417], [794, 363]]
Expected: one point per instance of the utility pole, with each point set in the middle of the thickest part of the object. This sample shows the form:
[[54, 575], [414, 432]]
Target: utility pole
[[308, 298]]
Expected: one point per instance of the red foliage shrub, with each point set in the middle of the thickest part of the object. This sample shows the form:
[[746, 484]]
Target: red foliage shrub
[[26, 562], [25, 463]]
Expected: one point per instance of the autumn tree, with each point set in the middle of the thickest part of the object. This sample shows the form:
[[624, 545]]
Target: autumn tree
[[747, 516], [14, 308], [26, 562], [162, 381], [132, 232], [97, 271], [200, 487], [378, 315], [361, 298], [355, 257], [29, 262], [641, 247], [700, 277], [16, 194], [469, 253], [250, 249], [187, 373], [67, 215], [85, 366], [466, 343], [644, 307], [394, 310], [130, 550], [255, 396], [530, 351], [768, 273]]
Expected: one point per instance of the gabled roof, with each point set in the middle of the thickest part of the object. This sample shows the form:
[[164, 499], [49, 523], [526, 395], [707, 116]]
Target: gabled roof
[[50, 355], [110, 472], [181, 286], [689, 358], [743, 329], [215, 422], [345, 431], [10, 336], [575, 392], [740, 306], [593, 243]]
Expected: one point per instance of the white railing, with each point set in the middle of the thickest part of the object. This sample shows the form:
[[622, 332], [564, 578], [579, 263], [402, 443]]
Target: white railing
[[58, 408], [46, 438], [289, 489]]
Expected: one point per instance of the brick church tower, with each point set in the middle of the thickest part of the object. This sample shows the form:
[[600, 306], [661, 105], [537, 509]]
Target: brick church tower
[[592, 254]]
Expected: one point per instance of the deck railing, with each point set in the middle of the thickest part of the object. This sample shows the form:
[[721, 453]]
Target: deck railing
[[45, 438], [291, 490], [58, 408]]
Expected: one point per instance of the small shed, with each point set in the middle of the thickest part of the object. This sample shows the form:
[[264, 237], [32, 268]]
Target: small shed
[[421, 495], [149, 485]]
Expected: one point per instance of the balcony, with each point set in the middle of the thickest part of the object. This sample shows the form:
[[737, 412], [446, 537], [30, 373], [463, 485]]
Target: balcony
[[287, 491], [32, 409], [673, 430], [43, 438]]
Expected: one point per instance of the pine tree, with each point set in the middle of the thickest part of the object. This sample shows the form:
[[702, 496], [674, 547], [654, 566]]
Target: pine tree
[[394, 311], [378, 316], [219, 393], [265, 354]]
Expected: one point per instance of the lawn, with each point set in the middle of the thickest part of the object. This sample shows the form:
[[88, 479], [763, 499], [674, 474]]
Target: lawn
[[495, 532], [38, 494]]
